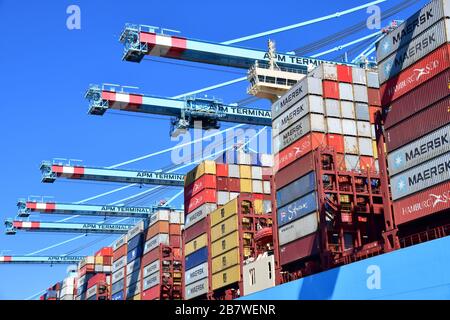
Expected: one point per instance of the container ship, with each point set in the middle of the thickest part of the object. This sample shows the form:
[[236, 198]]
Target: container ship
[[353, 203]]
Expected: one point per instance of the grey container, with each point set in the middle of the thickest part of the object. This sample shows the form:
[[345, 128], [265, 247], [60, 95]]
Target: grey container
[[332, 108], [426, 175], [151, 268], [161, 238], [372, 79], [119, 264], [151, 281], [425, 43], [412, 27], [349, 127], [196, 289], [362, 111], [133, 266], [359, 76], [363, 128], [334, 125], [419, 151], [298, 229], [120, 242], [133, 278], [348, 110], [199, 213], [196, 273], [117, 276], [346, 91], [365, 147], [360, 93]]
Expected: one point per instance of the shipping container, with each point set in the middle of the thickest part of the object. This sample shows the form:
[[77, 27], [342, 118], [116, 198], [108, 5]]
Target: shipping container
[[133, 290], [418, 125], [175, 229], [297, 209], [419, 151], [299, 249], [266, 187], [423, 176], [332, 108], [225, 244], [412, 27], [307, 105], [349, 127], [226, 277], [422, 204], [159, 215], [195, 230], [196, 289], [351, 162], [151, 281], [233, 171], [117, 296], [372, 79], [418, 73], [118, 286], [298, 168], [362, 112], [234, 184], [225, 260], [151, 294], [207, 166], [222, 197], [119, 264], [151, 268], [307, 85], [257, 186], [367, 163], [364, 129], [133, 278], [418, 99], [161, 238], [373, 110], [325, 71], [196, 274], [205, 196], [223, 228], [298, 228], [257, 173], [418, 48], [245, 172], [330, 90], [133, 266], [151, 256], [137, 229], [222, 184], [296, 189], [346, 91], [336, 142], [365, 147], [120, 242], [196, 258], [373, 96], [222, 170], [348, 110], [135, 241], [195, 244], [359, 76], [344, 73], [221, 214], [360, 93], [159, 227], [134, 254], [199, 214], [207, 181], [120, 252], [246, 186], [334, 126], [351, 145]]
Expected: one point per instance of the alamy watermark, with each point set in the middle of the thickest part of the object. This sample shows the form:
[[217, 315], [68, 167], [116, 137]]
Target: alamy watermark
[[73, 21], [374, 280]]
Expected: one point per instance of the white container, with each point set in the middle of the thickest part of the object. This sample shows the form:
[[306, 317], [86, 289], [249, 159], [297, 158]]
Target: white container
[[349, 127], [161, 238], [372, 79], [160, 215], [351, 145], [266, 187], [352, 162], [133, 266], [120, 242], [298, 229], [359, 75], [119, 275], [119, 263], [256, 173], [196, 289], [257, 186], [266, 160], [175, 217], [138, 228], [362, 111], [364, 129], [195, 274], [346, 91], [234, 195], [360, 93], [334, 125], [318, 123], [223, 197], [151, 268], [365, 147], [325, 71], [151, 281], [348, 110], [233, 171], [199, 214], [332, 108]]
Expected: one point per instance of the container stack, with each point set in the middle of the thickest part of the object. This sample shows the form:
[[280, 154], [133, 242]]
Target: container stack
[[68, 288], [135, 249], [52, 293], [98, 287], [209, 186], [119, 268], [414, 61], [326, 158]]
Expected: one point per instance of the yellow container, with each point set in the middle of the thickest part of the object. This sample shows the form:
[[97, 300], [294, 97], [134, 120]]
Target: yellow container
[[246, 185], [245, 172], [247, 252], [226, 277], [375, 149], [224, 228], [99, 260], [209, 167], [258, 206], [225, 244], [226, 260], [197, 243], [137, 297], [229, 209]]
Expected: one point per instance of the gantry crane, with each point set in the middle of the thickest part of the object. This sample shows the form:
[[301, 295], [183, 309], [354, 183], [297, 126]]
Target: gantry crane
[[53, 170], [41, 259], [185, 112], [12, 226]]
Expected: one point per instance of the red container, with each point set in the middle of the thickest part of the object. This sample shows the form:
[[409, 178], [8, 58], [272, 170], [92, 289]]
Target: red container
[[298, 149], [295, 170], [367, 163], [175, 229], [344, 73], [206, 181], [119, 253], [340, 162], [99, 277], [298, 249], [373, 96], [423, 203], [418, 125], [177, 254], [205, 196], [151, 294], [418, 99], [175, 241], [267, 173], [336, 141], [373, 113], [105, 252], [330, 89], [415, 75], [222, 170], [151, 256], [222, 184], [195, 230], [234, 184]]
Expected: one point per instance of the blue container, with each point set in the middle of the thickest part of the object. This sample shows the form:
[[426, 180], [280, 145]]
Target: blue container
[[135, 242], [196, 258], [117, 296], [52, 294], [134, 253], [82, 288], [296, 189], [118, 286], [297, 209]]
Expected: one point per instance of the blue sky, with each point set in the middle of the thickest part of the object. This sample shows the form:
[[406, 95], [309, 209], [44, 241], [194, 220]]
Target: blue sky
[[46, 68]]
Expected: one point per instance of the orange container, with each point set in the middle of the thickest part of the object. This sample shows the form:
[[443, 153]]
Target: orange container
[[175, 229], [159, 227]]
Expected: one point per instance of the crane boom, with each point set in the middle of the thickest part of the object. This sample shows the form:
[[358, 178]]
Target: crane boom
[[13, 225], [27, 207], [51, 171], [41, 259], [141, 40]]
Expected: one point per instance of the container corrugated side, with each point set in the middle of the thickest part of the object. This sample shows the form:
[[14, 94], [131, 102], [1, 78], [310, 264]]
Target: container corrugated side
[[118, 286], [298, 249], [199, 213], [224, 244], [151, 281], [223, 228], [151, 268], [195, 230], [196, 289], [120, 242], [418, 73], [422, 204], [151, 244], [423, 149], [296, 189], [195, 244], [412, 27], [418, 99], [119, 264], [297, 209], [226, 277], [224, 261], [298, 229], [196, 258], [418, 48], [421, 177], [220, 214], [417, 126], [299, 167], [196, 274]]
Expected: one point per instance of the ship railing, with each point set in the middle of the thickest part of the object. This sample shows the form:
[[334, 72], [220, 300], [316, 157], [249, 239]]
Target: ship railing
[[424, 236]]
